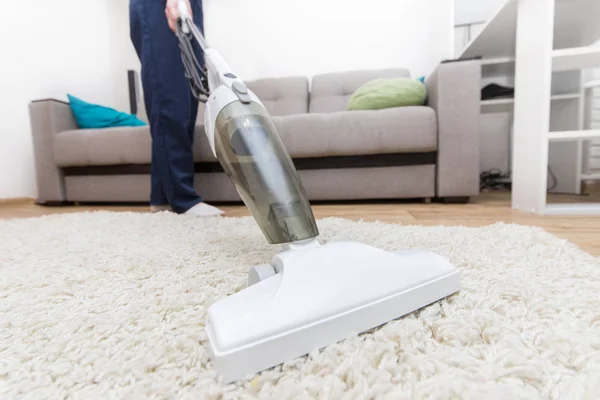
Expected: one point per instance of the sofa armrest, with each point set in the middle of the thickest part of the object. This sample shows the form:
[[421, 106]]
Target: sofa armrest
[[454, 91], [49, 117]]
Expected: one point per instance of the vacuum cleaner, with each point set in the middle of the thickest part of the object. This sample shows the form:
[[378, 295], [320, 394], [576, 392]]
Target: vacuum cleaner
[[311, 294]]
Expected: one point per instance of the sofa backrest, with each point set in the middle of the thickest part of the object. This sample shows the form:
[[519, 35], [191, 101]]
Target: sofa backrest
[[282, 96], [331, 92]]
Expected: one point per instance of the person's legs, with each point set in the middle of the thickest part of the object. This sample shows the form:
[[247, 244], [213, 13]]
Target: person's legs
[[172, 110], [158, 199]]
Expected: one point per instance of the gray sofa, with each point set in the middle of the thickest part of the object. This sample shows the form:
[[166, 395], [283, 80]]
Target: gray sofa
[[421, 152]]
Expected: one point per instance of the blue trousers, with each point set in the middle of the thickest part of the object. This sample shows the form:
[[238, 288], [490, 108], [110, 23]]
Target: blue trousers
[[170, 106]]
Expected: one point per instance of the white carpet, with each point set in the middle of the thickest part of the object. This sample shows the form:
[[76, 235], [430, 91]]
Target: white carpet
[[112, 305]]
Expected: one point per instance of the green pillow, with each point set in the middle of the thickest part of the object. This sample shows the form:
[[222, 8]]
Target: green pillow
[[388, 92]]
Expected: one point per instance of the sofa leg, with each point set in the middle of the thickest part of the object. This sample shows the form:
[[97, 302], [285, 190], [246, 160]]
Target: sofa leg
[[456, 200]]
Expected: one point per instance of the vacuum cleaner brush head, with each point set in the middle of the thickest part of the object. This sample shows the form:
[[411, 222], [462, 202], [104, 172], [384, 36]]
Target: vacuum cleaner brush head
[[317, 296]]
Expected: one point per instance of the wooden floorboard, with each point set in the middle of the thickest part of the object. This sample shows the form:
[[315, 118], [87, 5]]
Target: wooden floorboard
[[486, 209]]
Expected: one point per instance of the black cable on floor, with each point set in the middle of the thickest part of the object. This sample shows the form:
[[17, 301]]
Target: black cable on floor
[[494, 179]]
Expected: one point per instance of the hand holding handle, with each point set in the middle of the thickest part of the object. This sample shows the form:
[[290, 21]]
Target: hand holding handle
[[182, 6], [178, 13]]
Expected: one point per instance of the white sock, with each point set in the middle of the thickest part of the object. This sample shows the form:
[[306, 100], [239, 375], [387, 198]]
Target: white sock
[[204, 210], [160, 208]]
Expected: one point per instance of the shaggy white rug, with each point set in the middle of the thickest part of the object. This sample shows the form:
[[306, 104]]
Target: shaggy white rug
[[112, 305]]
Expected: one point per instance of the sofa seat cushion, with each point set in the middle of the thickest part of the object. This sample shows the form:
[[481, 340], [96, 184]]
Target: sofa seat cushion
[[411, 129], [345, 133], [109, 146], [364, 132]]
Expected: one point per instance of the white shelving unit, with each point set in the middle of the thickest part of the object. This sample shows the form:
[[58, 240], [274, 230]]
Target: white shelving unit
[[591, 157], [542, 48]]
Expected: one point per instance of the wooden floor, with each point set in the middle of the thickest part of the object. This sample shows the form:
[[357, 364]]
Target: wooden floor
[[483, 210]]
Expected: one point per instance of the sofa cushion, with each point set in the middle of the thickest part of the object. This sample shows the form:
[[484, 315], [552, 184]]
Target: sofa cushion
[[116, 146], [345, 133], [332, 91], [110, 146], [348, 133], [95, 116], [281, 96], [388, 92]]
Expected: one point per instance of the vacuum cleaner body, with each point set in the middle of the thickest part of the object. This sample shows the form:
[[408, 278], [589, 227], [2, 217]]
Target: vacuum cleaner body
[[244, 139], [311, 294]]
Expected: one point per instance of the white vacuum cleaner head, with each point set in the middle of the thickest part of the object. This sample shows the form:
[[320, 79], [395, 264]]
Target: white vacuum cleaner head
[[318, 296], [311, 295]]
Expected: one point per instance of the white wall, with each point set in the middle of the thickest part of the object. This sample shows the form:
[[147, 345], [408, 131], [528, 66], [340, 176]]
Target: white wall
[[262, 38], [49, 49], [470, 18], [474, 11], [123, 53]]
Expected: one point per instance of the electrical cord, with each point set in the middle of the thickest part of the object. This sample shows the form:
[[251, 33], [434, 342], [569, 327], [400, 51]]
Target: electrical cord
[[194, 72], [554, 180], [489, 180], [494, 179]]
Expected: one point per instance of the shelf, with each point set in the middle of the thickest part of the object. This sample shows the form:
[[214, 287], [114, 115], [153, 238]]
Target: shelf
[[591, 177], [498, 60], [573, 135], [575, 25], [575, 58], [506, 104], [562, 60], [566, 96], [592, 85], [499, 66]]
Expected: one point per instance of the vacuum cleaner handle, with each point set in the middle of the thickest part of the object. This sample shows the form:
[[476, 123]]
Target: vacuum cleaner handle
[[187, 24], [183, 10], [218, 72]]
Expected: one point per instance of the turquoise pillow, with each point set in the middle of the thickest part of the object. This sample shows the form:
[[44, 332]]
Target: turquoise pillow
[[93, 116], [389, 92]]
